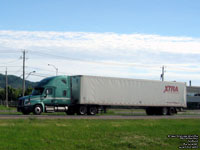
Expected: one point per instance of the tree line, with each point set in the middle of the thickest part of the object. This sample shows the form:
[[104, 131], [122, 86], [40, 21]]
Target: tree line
[[13, 93]]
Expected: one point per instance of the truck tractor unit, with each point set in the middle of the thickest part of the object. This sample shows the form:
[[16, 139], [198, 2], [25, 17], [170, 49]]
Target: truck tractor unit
[[88, 95]]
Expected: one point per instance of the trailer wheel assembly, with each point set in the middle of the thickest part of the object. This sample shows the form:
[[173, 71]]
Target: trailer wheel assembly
[[171, 111], [82, 110], [92, 110], [37, 110]]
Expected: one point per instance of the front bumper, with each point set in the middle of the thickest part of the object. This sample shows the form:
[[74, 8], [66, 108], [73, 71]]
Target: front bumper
[[25, 108]]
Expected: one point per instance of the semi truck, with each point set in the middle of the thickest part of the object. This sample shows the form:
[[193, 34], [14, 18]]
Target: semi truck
[[88, 95]]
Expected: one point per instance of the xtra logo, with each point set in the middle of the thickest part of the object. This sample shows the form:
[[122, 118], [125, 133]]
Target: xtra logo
[[171, 89]]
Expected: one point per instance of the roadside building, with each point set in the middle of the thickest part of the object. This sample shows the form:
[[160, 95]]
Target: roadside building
[[193, 97]]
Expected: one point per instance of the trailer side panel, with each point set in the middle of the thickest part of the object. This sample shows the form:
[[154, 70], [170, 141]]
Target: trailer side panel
[[131, 92]]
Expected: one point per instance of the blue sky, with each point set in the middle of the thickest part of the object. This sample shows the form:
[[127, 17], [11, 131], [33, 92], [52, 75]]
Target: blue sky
[[122, 38], [169, 17]]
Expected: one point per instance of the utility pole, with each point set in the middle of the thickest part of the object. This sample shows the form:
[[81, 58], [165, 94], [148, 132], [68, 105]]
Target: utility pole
[[6, 88], [190, 83], [163, 73], [23, 84]]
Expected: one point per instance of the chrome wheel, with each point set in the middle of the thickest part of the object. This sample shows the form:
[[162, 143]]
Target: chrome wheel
[[171, 111], [92, 110], [37, 110], [82, 110]]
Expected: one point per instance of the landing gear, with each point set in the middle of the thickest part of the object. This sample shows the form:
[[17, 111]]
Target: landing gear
[[164, 111]]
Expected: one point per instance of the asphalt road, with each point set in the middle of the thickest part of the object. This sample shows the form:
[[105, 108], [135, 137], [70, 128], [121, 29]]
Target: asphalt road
[[98, 117]]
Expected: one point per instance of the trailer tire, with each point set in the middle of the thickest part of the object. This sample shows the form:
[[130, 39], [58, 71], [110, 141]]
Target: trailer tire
[[92, 110], [82, 110], [37, 109], [171, 111]]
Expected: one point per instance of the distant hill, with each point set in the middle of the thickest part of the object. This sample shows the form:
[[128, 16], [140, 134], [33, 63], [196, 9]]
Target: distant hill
[[15, 82]]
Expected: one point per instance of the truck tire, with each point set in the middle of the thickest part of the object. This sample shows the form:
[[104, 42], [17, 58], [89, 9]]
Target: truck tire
[[37, 109], [82, 110], [171, 111], [164, 111], [92, 110]]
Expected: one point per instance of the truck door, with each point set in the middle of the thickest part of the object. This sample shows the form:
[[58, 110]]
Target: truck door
[[49, 96], [66, 96], [63, 99], [62, 92]]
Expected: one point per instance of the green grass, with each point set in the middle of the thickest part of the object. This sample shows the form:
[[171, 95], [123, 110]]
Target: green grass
[[125, 112], [83, 134], [7, 108]]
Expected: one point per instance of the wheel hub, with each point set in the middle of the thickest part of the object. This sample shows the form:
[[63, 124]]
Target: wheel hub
[[37, 109]]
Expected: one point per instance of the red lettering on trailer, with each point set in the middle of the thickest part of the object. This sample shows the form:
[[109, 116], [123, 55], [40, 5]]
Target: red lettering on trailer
[[170, 89]]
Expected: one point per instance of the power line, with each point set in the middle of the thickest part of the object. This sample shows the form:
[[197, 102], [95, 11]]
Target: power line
[[17, 71], [12, 61], [44, 70], [77, 59], [55, 56], [9, 51], [39, 53], [10, 66], [90, 61], [41, 75]]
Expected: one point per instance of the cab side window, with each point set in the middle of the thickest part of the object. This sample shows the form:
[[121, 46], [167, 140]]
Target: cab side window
[[64, 93], [64, 81]]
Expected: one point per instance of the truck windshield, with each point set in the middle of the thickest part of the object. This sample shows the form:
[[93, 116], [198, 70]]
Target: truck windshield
[[37, 91]]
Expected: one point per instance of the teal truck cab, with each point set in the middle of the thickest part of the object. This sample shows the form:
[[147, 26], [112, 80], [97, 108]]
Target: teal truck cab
[[51, 94], [57, 94]]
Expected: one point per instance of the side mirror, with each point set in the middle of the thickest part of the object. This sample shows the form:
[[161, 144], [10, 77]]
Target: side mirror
[[46, 93]]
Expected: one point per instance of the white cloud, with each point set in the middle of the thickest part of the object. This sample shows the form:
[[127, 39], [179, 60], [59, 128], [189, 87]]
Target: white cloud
[[100, 41], [122, 55]]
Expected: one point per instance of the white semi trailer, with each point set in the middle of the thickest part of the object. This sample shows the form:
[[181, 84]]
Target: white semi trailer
[[156, 97]]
